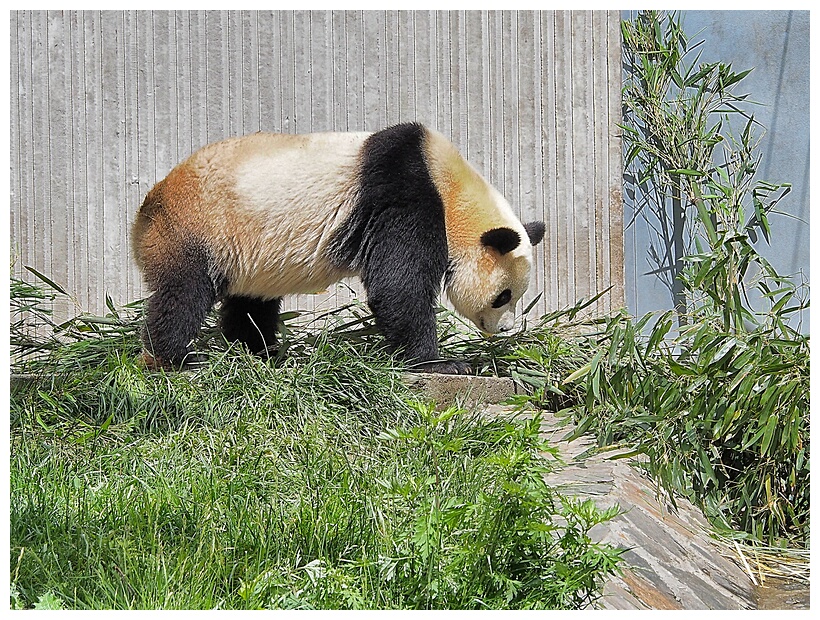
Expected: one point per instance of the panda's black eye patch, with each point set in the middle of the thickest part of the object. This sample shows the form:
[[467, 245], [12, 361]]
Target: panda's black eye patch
[[503, 299]]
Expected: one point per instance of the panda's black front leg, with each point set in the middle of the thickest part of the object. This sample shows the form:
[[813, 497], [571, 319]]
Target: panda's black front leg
[[396, 238], [445, 367], [403, 301], [409, 327]]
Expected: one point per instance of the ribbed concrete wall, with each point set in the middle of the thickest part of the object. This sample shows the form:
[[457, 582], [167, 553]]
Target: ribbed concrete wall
[[103, 104]]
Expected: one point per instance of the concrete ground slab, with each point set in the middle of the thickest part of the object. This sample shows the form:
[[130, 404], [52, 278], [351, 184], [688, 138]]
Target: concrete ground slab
[[468, 392]]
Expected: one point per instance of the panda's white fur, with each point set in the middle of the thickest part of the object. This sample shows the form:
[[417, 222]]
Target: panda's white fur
[[267, 215], [287, 194]]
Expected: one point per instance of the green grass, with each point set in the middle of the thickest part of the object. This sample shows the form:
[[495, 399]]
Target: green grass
[[316, 481]]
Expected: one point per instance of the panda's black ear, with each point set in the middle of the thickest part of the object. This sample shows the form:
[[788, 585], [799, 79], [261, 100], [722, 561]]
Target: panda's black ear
[[502, 239], [535, 231]]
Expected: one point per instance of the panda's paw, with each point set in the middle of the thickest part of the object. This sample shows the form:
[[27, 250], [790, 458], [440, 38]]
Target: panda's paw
[[446, 367], [153, 362], [156, 363]]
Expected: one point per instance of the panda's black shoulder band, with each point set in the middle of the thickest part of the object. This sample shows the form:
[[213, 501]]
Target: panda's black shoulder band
[[396, 240], [397, 200]]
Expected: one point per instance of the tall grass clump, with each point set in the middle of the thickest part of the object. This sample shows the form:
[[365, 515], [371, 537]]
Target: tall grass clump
[[715, 392], [315, 480], [41, 345]]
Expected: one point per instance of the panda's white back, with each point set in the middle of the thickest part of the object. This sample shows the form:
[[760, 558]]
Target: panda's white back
[[273, 202]]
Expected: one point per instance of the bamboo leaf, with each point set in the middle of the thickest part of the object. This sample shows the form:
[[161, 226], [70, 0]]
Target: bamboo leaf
[[574, 376], [47, 280], [687, 172]]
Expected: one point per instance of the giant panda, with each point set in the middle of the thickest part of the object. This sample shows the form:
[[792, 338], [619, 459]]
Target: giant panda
[[250, 219]]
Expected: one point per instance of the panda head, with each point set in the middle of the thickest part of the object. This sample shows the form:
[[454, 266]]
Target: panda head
[[485, 284], [489, 249]]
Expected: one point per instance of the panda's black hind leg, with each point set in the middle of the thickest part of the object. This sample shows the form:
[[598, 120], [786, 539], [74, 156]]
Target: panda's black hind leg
[[251, 321], [175, 312]]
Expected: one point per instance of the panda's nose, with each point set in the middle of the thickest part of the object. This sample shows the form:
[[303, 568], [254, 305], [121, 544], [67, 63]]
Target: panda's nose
[[507, 322]]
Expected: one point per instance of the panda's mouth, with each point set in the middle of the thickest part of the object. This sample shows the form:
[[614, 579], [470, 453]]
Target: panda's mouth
[[484, 331], [504, 324]]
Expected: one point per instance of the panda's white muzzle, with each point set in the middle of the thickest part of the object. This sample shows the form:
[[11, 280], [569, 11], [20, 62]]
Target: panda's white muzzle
[[506, 322], [490, 324]]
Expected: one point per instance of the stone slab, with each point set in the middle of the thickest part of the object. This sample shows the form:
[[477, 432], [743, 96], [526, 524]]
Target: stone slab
[[671, 561], [466, 391]]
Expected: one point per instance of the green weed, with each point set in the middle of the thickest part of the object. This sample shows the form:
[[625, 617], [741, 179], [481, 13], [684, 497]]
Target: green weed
[[315, 480], [716, 392]]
